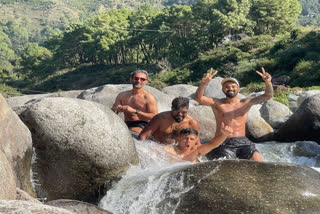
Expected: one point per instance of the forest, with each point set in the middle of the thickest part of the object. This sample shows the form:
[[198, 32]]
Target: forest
[[100, 42]]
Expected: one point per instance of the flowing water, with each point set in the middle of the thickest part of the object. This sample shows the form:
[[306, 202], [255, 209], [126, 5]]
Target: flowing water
[[144, 188]]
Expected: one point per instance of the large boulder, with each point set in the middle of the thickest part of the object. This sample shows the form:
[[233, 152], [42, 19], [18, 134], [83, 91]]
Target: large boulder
[[240, 186], [304, 124], [78, 207], [27, 207], [180, 90], [79, 146], [206, 119], [24, 196], [272, 111], [257, 129], [7, 180], [16, 142], [20, 103], [306, 94], [107, 94]]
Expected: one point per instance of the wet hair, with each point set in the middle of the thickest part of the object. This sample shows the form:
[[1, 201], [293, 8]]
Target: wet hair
[[179, 103], [139, 71], [188, 131]]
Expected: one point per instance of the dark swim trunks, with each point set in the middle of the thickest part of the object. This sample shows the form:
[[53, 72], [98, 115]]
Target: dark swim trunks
[[136, 123], [232, 148]]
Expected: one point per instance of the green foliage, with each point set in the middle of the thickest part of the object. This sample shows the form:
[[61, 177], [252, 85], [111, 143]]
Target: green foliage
[[282, 96], [8, 91]]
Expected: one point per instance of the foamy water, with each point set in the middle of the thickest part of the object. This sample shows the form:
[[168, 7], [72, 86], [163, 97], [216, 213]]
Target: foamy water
[[144, 188]]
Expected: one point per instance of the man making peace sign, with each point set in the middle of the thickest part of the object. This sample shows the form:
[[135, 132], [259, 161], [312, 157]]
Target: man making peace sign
[[233, 111]]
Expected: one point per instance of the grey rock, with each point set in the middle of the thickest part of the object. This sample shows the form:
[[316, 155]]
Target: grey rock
[[79, 146], [16, 142], [206, 119], [180, 90], [27, 207], [259, 130], [306, 94], [7, 180], [304, 124], [107, 94], [24, 196], [20, 103], [272, 110], [307, 149], [241, 186], [78, 207]]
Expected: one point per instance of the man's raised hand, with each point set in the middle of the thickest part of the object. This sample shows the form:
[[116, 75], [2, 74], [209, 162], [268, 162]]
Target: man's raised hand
[[265, 75], [206, 79]]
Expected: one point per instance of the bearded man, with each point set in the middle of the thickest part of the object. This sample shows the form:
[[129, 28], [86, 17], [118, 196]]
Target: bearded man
[[166, 126], [233, 111]]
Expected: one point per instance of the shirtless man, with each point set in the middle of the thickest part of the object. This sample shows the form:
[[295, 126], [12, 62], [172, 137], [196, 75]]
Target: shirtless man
[[188, 149], [166, 126], [138, 105], [234, 112]]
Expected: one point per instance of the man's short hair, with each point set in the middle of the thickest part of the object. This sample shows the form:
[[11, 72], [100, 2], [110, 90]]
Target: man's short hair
[[179, 103], [139, 71], [188, 131]]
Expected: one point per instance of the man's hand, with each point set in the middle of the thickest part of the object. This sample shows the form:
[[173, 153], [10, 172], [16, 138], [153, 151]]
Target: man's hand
[[265, 75], [225, 129], [125, 108], [206, 79]]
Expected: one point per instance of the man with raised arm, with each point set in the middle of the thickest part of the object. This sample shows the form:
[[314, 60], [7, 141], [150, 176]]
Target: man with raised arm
[[187, 147], [234, 112], [166, 126], [138, 105]]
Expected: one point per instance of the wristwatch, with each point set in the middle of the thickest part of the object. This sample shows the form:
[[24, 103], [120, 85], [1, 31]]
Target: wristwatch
[[137, 111]]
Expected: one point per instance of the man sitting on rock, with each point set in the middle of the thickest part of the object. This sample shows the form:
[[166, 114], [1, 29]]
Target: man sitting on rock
[[188, 147], [234, 112], [138, 105], [166, 126]]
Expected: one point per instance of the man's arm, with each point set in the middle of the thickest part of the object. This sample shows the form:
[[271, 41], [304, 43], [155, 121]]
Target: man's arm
[[200, 91], [216, 141], [150, 128], [116, 103], [152, 109], [268, 92]]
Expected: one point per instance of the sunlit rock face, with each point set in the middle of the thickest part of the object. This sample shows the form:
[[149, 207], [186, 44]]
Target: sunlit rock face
[[79, 146], [233, 186], [107, 94], [304, 124], [16, 142]]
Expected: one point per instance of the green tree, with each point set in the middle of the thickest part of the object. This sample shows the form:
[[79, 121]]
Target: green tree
[[274, 16]]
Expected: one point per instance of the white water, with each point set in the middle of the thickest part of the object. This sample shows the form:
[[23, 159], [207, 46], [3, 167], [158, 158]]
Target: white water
[[144, 188]]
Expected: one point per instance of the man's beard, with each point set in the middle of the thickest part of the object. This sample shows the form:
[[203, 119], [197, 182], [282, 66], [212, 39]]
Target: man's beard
[[231, 95], [178, 119], [137, 85]]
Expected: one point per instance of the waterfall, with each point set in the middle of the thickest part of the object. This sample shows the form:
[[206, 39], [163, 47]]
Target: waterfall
[[144, 188]]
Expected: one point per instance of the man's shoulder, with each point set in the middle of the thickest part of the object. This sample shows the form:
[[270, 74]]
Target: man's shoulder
[[163, 115]]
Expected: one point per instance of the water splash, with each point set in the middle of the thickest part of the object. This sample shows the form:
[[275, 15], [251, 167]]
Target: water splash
[[148, 188]]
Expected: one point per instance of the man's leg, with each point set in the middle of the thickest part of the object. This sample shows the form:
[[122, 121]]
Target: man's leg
[[257, 157]]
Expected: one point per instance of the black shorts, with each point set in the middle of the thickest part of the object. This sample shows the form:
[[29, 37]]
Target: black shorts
[[136, 123], [233, 148]]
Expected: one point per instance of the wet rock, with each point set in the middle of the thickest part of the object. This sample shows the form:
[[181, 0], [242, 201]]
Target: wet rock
[[234, 186], [78, 207], [304, 124], [16, 142], [27, 207], [307, 149], [79, 146]]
